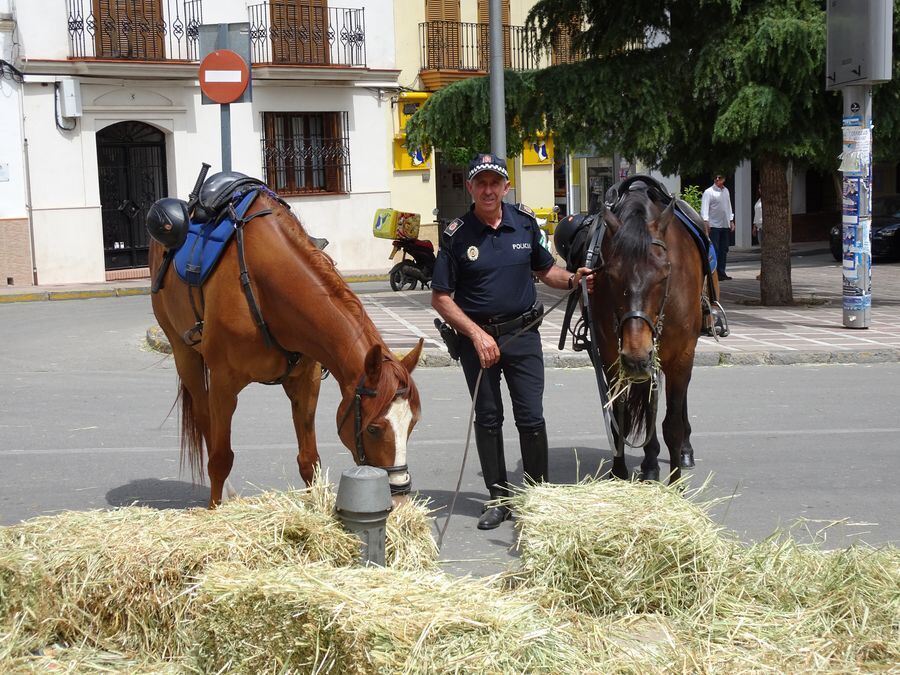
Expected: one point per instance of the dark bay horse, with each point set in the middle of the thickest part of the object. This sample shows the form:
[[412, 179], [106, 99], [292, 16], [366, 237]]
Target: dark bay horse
[[310, 311], [646, 311]]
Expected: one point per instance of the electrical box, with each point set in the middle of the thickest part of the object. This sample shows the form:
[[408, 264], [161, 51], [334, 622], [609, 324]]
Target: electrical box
[[69, 97], [407, 104], [859, 42]]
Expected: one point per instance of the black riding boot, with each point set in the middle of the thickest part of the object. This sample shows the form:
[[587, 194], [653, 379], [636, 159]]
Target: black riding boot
[[534, 454], [489, 442]]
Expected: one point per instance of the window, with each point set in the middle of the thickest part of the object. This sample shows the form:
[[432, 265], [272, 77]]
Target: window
[[306, 153], [300, 31]]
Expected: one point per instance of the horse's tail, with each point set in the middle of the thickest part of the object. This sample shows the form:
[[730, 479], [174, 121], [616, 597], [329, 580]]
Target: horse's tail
[[191, 434]]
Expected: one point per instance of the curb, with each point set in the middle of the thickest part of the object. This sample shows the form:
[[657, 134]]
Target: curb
[[437, 358], [75, 295]]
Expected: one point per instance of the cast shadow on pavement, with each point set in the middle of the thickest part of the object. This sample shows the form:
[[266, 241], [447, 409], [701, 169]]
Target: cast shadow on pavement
[[159, 494]]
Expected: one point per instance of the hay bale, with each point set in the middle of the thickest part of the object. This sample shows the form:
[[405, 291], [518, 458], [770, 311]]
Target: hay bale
[[118, 578], [373, 620], [409, 544], [614, 547]]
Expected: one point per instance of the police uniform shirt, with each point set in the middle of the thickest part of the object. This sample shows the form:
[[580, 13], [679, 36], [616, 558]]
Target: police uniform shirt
[[490, 271]]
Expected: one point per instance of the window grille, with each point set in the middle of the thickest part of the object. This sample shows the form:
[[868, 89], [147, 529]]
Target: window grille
[[306, 153]]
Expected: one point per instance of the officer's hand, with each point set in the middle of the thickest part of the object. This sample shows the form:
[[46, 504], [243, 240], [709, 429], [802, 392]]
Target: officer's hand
[[584, 273], [486, 348]]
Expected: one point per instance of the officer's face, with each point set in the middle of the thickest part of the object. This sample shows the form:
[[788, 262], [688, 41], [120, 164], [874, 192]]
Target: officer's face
[[488, 189]]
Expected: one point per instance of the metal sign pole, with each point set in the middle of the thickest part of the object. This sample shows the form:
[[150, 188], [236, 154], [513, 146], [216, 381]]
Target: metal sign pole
[[856, 210], [498, 99], [225, 108]]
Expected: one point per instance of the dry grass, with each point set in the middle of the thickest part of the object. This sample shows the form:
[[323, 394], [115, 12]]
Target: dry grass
[[118, 578]]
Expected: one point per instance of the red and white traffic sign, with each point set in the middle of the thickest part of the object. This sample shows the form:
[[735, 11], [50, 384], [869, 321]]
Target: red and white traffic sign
[[224, 76]]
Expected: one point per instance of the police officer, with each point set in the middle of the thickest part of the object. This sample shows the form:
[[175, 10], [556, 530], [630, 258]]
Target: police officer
[[484, 288]]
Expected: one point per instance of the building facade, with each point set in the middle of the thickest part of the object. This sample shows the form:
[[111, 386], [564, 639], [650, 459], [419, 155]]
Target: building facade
[[101, 114]]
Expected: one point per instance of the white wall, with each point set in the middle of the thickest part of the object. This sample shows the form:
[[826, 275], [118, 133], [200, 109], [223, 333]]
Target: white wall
[[12, 186]]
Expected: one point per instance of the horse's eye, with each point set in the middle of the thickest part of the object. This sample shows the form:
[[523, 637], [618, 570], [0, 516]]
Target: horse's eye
[[372, 429]]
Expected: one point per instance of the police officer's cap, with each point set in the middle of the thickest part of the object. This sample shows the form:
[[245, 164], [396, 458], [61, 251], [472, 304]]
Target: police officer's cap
[[487, 162]]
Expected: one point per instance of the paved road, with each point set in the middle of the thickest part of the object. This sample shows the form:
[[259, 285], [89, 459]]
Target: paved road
[[83, 424]]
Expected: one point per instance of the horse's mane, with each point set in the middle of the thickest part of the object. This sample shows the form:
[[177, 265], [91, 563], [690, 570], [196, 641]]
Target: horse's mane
[[632, 239], [326, 271]]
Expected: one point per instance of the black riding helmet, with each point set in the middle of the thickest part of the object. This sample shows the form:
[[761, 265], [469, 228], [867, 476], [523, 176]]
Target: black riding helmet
[[568, 238], [168, 221]]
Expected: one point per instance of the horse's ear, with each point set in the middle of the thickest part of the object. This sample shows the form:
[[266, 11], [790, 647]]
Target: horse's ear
[[611, 221], [374, 359], [410, 360]]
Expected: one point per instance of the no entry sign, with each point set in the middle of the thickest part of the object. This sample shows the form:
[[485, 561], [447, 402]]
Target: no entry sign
[[224, 76]]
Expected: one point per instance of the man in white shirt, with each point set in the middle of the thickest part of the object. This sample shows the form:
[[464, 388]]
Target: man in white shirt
[[718, 218]]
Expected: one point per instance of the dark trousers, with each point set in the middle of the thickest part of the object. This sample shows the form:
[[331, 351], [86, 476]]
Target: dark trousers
[[720, 238], [522, 365]]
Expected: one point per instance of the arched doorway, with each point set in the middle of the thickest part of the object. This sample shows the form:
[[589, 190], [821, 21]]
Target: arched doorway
[[131, 159]]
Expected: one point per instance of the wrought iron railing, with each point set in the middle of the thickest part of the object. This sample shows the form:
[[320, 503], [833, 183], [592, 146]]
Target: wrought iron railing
[[147, 30], [452, 45], [305, 34]]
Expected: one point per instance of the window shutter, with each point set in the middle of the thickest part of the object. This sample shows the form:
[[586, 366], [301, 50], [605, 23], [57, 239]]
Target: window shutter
[[484, 33], [129, 29], [299, 31], [442, 34]]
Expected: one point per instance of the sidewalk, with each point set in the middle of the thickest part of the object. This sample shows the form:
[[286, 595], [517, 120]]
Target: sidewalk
[[810, 332]]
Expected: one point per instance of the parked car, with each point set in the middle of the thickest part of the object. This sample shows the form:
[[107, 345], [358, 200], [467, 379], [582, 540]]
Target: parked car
[[885, 230]]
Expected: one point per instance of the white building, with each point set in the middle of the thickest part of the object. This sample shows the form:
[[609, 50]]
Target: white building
[[101, 114]]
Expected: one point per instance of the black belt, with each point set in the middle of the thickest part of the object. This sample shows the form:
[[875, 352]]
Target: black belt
[[500, 326]]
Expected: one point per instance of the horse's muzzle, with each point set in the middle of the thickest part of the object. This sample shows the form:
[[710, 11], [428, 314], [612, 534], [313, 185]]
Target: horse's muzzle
[[637, 368]]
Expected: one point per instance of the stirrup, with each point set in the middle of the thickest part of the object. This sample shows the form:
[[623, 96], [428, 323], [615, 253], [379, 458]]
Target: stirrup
[[721, 320], [193, 335]]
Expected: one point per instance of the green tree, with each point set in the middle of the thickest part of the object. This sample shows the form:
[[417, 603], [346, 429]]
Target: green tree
[[687, 86]]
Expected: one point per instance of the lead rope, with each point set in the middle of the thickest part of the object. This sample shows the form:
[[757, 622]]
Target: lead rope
[[462, 466]]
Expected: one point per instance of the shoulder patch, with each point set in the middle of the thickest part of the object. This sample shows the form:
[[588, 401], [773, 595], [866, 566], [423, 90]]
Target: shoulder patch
[[525, 209], [452, 227]]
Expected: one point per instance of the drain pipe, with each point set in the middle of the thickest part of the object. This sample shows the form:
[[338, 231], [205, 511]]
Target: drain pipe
[[363, 504]]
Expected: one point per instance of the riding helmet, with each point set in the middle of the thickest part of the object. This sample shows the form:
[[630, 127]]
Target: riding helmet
[[168, 221]]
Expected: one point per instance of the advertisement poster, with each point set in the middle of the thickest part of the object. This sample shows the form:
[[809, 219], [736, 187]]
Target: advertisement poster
[[850, 197]]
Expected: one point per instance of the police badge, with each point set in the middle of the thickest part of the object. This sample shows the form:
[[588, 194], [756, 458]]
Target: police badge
[[472, 253]]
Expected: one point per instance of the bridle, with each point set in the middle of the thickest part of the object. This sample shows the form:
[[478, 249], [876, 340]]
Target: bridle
[[356, 408], [656, 327]]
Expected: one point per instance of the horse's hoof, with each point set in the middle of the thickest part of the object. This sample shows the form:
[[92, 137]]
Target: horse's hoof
[[649, 476], [687, 460]]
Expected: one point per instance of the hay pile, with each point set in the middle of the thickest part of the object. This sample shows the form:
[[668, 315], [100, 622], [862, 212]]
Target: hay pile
[[118, 578], [614, 550], [374, 620]]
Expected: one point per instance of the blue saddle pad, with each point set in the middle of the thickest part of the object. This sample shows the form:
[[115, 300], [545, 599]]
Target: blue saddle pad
[[205, 244], [700, 239]]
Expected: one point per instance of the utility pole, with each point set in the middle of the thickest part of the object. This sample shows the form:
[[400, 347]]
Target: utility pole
[[498, 98], [858, 56]]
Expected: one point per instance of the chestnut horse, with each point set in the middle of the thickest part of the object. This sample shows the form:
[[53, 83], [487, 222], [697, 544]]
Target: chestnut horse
[[646, 314], [309, 310]]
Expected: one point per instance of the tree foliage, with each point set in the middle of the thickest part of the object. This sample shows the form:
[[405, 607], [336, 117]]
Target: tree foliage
[[686, 86]]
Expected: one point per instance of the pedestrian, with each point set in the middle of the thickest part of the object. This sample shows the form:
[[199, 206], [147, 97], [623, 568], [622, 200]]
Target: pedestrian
[[483, 287], [718, 218], [758, 222]]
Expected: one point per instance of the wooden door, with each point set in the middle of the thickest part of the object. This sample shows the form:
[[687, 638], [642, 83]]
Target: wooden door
[[484, 34], [442, 34], [299, 30], [129, 29]]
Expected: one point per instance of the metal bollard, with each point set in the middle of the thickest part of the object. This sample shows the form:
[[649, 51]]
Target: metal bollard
[[363, 504]]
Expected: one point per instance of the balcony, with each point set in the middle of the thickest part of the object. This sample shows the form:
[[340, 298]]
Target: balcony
[[300, 34], [451, 50], [138, 30]]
